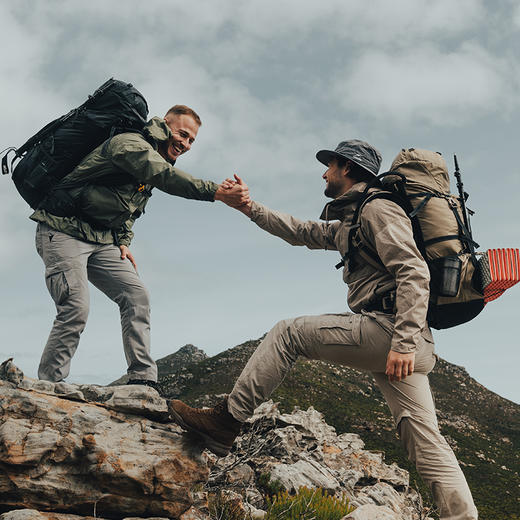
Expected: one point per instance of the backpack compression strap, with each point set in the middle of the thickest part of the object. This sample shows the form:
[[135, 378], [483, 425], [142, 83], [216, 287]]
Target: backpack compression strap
[[464, 233]]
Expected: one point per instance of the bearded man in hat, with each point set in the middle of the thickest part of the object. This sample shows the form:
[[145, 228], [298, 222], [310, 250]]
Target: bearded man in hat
[[386, 334]]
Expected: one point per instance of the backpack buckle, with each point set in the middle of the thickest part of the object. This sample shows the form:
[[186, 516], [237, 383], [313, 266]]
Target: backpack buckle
[[388, 302]]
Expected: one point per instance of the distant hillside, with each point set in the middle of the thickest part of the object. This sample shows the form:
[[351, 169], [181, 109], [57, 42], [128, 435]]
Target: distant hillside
[[482, 427]]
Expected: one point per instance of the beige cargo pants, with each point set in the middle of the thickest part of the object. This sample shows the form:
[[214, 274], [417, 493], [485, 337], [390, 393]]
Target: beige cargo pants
[[69, 266], [362, 341]]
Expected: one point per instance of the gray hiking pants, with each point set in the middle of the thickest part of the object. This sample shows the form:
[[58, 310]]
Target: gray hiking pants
[[362, 341], [70, 264]]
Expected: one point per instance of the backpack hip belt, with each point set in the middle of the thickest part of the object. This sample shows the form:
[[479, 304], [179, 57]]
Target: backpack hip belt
[[385, 303]]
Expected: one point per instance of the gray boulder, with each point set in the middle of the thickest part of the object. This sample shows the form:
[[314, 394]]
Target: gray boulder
[[60, 452]]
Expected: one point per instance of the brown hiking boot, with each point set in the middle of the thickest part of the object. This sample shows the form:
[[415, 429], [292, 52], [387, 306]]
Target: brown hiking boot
[[217, 427]]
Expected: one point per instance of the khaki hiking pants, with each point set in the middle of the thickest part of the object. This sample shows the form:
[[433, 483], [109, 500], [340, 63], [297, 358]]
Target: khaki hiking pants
[[362, 341], [70, 264]]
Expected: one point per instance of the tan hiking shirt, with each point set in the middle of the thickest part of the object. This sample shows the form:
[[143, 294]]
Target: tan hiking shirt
[[389, 232]]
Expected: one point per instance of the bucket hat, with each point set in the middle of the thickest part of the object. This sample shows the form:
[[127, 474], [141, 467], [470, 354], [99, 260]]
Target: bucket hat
[[355, 150]]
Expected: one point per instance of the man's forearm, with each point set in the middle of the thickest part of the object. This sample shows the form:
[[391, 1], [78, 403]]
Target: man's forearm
[[124, 235], [314, 235], [147, 166]]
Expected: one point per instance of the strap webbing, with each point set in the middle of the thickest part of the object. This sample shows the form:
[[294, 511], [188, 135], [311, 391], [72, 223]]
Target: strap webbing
[[399, 197], [421, 205], [5, 166], [446, 238]]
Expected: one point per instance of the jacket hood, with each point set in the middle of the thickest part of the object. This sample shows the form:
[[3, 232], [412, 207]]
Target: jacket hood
[[340, 208], [157, 130]]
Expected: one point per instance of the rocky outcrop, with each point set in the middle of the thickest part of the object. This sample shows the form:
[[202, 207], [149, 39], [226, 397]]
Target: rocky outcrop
[[287, 451], [86, 451], [91, 450]]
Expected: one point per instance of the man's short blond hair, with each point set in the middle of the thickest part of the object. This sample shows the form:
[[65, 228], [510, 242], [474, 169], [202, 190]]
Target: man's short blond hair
[[183, 109]]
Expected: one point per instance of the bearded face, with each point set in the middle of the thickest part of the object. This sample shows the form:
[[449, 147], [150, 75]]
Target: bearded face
[[337, 182]]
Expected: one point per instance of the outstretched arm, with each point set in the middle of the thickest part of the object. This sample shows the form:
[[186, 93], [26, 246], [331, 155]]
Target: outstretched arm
[[314, 235], [130, 153]]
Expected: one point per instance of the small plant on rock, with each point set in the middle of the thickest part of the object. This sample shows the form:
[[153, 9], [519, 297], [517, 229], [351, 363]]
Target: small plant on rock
[[269, 487], [307, 504], [221, 508]]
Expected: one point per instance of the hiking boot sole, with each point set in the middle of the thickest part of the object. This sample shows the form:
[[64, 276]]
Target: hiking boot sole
[[214, 446]]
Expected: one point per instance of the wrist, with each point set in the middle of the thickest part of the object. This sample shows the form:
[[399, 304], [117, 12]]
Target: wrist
[[217, 194], [246, 208]]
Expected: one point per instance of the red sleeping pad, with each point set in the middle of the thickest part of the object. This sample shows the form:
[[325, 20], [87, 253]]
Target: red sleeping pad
[[500, 271]]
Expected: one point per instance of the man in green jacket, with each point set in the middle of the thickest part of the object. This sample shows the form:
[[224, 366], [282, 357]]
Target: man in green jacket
[[85, 229]]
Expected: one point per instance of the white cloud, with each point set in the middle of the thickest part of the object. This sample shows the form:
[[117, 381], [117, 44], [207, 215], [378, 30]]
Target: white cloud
[[374, 22], [425, 85], [273, 82], [406, 21], [516, 17]]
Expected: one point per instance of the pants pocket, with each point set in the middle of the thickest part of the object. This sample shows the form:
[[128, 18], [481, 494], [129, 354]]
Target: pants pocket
[[340, 330], [58, 287], [425, 357]]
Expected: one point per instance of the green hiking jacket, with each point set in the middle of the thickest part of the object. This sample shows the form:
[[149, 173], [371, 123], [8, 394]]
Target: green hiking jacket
[[109, 189]]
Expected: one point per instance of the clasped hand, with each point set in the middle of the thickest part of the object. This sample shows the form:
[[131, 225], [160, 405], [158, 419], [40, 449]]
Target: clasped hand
[[234, 193]]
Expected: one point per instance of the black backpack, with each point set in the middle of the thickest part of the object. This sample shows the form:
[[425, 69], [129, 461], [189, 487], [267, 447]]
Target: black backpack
[[53, 152]]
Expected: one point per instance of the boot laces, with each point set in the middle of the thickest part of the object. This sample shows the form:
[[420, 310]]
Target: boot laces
[[218, 409]]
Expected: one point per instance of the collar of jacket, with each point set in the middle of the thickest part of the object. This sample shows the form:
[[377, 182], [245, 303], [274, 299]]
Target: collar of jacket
[[343, 207], [156, 131]]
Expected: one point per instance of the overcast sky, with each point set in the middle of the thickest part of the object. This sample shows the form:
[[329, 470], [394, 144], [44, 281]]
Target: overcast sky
[[273, 81]]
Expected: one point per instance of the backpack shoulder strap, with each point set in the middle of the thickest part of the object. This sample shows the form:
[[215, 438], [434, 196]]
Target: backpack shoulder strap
[[357, 241], [358, 244]]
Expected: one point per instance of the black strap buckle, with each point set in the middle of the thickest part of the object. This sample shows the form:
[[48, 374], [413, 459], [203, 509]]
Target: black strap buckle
[[388, 302]]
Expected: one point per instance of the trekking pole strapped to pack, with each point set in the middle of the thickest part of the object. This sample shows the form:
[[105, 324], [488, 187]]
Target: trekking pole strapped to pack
[[463, 196], [54, 151]]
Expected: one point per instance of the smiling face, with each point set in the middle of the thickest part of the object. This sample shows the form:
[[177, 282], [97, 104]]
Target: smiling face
[[184, 129]]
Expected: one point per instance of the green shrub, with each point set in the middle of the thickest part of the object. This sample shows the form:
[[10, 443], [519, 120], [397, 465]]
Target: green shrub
[[307, 504], [269, 487], [222, 509]]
